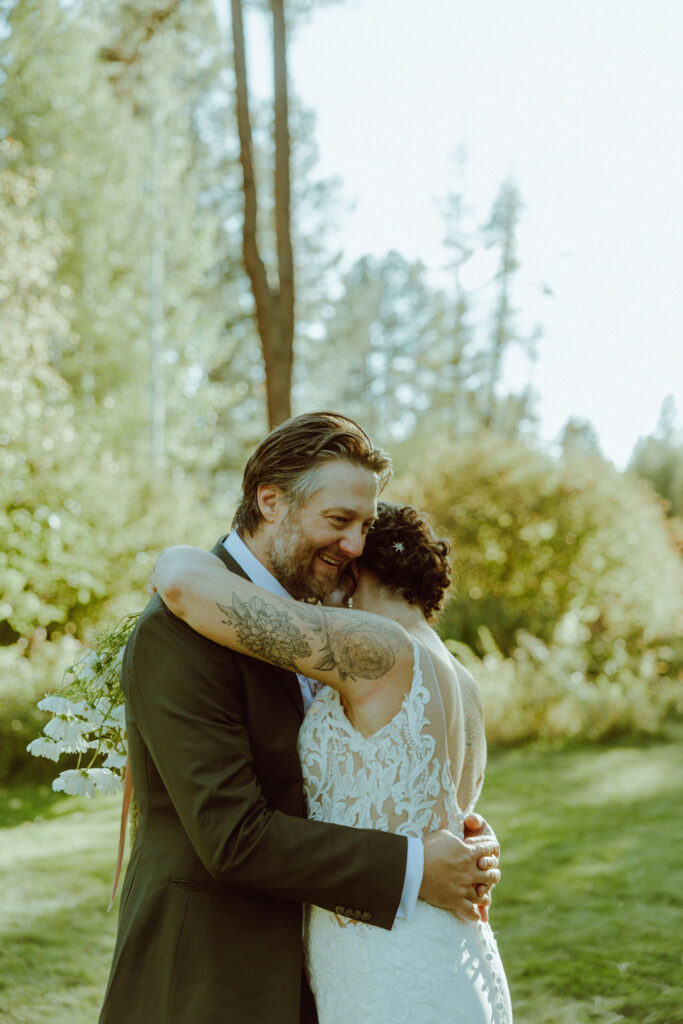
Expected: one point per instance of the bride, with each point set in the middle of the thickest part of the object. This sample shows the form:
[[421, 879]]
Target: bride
[[394, 740]]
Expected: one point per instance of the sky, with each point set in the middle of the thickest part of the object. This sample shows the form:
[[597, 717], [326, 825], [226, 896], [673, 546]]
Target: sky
[[581, 102]]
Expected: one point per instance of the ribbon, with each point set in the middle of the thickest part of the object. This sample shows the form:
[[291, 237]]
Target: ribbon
[[127, 795]]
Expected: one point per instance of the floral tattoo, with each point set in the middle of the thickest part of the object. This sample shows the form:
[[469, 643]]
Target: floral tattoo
[[358, 649], [267, 631]]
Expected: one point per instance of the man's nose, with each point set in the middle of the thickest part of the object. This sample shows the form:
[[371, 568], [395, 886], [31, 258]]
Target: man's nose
[[352, 542]]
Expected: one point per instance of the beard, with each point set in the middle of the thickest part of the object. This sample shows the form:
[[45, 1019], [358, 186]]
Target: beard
[[291, 562]]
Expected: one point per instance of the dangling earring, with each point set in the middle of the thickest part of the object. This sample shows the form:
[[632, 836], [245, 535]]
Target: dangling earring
[[349, 602]]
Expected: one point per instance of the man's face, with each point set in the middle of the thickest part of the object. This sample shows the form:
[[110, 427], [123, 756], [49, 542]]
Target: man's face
[[311, 547]]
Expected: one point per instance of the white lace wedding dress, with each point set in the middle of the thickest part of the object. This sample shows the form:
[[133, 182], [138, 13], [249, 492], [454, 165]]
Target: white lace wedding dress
[[422, 771]]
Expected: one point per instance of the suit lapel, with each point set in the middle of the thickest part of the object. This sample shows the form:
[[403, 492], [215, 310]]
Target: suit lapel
[[288, 679]]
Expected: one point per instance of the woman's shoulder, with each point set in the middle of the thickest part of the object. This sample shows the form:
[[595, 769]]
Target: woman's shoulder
[[446, 666], [456, 684]]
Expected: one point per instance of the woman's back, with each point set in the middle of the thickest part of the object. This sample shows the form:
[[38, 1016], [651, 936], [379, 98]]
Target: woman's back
[[419, 772]]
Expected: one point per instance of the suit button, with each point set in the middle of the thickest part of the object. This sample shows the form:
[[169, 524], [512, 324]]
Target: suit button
[[340, 910], [358, 914], [366, 916], [348, 912]]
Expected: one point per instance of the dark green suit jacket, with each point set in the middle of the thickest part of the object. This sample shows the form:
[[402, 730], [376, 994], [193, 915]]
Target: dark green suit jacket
[[210, 922]]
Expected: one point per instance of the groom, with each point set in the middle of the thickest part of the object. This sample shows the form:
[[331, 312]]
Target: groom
[[210, 922]]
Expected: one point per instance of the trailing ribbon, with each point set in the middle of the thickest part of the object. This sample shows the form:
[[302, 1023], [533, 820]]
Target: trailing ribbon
[[127, 795]]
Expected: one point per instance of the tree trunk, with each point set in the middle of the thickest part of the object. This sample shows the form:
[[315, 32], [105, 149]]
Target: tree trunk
[[284, 357], [274, 309]]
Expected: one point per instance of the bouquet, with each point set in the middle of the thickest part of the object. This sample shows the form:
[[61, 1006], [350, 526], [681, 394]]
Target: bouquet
[[88, 718]]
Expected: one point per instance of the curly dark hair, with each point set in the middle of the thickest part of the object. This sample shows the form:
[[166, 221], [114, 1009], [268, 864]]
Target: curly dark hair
[[420, 570]]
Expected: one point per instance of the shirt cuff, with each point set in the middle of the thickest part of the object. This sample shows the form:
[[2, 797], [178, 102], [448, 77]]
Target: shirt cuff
[[415, 865]]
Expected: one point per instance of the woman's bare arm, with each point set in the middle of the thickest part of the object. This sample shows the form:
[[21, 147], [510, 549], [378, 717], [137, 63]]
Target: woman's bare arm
[[356, 652]]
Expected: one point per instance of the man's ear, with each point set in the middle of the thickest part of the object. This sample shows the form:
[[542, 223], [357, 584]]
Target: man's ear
[[270, 500]]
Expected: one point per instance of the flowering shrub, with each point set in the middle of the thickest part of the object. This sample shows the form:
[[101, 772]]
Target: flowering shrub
[[544, 691], [540, 541], [88, 718]]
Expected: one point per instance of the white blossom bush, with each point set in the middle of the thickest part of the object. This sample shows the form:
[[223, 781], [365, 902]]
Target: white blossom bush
[[88, 719]]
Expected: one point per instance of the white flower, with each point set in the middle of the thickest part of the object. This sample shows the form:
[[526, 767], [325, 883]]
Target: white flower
[[75, 782], [70, 730], [45, 748], [53, 749], [114, 760], [90, 667], [105, 712], [96, 713], [87, 782], [118, 716], [62, 705]]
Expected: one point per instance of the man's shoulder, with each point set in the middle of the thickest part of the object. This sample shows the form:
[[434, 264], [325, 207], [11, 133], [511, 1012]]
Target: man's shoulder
[[160, 627], [161, 630], [156, 615]]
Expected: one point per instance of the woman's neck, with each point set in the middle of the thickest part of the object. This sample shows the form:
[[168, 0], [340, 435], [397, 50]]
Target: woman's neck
[[391, 606]]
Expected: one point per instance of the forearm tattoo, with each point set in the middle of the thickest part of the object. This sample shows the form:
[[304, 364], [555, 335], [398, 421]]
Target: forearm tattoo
[[355, 647], [266, 631]]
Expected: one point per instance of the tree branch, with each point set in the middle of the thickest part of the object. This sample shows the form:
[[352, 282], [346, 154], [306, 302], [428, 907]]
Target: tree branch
[[149, 24]]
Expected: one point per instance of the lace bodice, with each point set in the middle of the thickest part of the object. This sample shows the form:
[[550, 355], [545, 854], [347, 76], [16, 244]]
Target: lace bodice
[[420, 772]]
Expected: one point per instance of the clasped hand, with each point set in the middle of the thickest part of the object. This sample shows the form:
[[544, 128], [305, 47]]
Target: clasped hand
[[459, 874]]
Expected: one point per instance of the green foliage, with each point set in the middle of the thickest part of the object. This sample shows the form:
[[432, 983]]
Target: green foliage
[[659, 459], [66, 496], [405, 357], [545, 692], [375, 354], [92, 567], [37, 421], [127, 122], [556, 548], [27, 671], [122, 159], [24, 802]]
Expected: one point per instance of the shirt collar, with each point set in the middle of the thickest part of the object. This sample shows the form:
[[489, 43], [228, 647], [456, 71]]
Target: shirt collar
[[247, 560]]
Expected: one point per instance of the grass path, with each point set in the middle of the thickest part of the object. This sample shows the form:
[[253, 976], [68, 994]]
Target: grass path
[[588, 915]]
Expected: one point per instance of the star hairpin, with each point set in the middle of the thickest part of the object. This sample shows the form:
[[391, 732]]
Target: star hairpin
[[398, 546]]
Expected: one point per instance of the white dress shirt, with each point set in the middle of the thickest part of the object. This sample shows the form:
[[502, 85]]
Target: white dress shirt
[[258, 574]]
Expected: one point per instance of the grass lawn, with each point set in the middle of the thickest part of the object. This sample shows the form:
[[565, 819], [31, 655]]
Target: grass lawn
[[588, 915]]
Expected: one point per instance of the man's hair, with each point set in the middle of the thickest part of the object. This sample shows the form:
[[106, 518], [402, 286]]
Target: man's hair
[[290, 454]]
